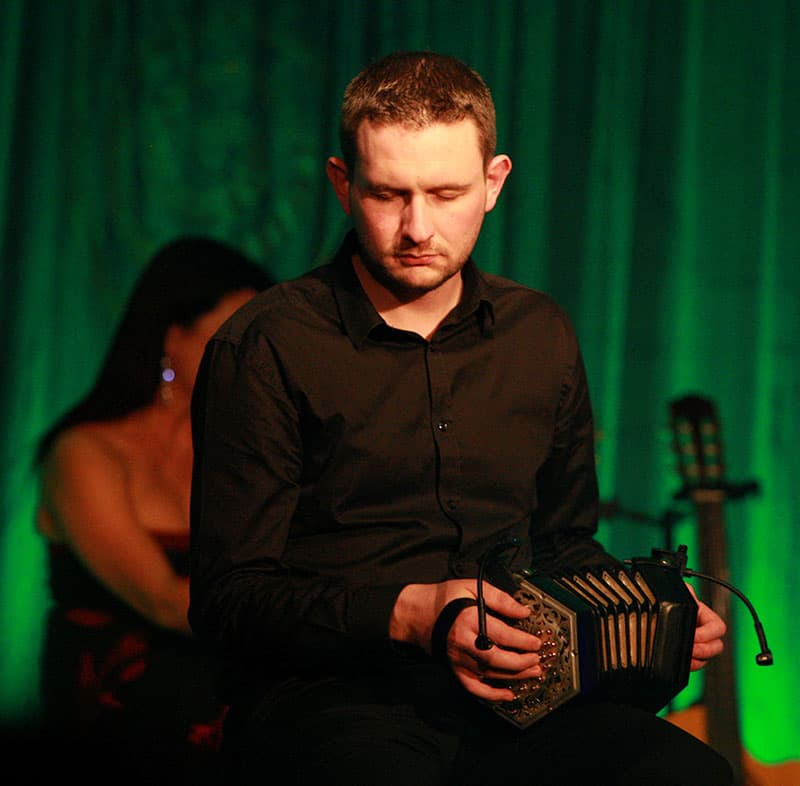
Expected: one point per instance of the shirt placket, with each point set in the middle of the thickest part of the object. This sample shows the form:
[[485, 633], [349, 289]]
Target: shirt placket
[[445, 430]]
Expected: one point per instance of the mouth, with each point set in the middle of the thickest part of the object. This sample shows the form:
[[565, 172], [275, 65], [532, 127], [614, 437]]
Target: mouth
[[425, 258]]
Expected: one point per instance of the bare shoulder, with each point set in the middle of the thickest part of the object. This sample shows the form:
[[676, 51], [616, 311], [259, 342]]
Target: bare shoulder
[[86, 451], [83, 464], [86, 441]]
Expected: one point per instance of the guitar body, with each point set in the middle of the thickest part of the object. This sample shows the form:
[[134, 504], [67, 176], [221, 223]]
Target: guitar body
[[696, 435], [695, 721]]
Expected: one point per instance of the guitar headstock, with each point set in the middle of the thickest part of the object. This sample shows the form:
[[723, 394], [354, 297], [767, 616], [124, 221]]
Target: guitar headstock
[[696, 440]]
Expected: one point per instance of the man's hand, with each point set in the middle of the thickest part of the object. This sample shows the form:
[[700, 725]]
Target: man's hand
[[513, 656], [707, 634]]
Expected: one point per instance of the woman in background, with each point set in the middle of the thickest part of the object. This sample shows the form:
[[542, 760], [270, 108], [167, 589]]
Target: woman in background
[[123, 680]]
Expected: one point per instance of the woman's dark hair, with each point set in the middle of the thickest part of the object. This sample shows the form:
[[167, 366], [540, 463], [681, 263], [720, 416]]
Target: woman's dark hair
[[185, 279]]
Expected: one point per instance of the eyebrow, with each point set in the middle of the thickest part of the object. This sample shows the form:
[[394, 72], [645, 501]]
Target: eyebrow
[[378, 186]]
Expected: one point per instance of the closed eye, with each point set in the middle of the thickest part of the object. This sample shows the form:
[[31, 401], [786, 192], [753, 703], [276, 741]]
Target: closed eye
[[383, 196], [448, 196]]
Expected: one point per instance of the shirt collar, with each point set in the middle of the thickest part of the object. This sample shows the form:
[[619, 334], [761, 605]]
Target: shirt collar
[[360, 318]]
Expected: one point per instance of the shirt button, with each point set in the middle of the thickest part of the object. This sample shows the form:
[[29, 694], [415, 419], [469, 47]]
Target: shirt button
[[442, 425], [451, 504]]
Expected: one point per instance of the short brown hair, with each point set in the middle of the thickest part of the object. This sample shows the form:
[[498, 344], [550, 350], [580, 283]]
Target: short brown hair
[[416, 89]]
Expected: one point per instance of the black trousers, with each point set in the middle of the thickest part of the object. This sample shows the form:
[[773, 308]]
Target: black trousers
[[417, 726]]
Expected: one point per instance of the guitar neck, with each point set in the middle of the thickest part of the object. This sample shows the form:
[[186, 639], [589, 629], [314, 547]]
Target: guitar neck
[[719, 694], [696, 439], [708, 505]]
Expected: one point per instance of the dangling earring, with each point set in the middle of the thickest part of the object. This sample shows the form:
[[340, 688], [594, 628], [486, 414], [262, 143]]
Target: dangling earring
[[167, 378]]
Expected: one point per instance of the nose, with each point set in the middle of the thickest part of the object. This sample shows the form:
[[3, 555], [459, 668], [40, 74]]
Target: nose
[[417, 224]]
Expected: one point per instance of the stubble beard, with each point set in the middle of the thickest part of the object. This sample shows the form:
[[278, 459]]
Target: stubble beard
[[404, 289]]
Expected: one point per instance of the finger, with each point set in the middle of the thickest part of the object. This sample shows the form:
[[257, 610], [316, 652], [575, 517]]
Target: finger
[[500, 678], [502, 603], [506, 662], [701, 657], [511, 637], [710, 625], [466, 625], [707, 650], [706, 633], [697, 664], [502, 664], [475, 685]]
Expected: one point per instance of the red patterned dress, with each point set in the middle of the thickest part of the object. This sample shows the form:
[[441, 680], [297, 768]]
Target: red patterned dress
[[118, 690]]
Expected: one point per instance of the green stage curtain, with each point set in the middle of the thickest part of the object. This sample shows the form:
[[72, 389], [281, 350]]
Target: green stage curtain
[[656, 171]]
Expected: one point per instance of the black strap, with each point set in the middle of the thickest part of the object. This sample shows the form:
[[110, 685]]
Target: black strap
[[447, 616]]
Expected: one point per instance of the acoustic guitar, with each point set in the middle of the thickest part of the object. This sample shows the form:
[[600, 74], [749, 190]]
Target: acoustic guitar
[[696, 438]]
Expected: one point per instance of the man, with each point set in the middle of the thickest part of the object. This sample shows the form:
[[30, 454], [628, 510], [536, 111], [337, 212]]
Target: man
[[363, 435]]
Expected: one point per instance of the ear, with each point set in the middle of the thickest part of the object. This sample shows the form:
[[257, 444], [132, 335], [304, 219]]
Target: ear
[[496, 174], [340, 180]]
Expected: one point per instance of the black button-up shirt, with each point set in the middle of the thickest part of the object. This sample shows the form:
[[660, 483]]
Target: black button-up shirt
[[338, 459]]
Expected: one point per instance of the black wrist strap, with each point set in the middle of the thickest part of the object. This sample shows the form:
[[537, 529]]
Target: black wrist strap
[[447, 616]]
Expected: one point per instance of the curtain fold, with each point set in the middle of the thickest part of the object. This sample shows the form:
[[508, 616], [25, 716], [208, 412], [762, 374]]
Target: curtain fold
[[654, 193]]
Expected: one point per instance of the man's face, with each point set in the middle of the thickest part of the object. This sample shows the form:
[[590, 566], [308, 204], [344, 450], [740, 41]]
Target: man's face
[[417, 198]]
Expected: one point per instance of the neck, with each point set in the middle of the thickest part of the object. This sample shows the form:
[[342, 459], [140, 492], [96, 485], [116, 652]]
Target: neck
[[421, 314], [167, 419]]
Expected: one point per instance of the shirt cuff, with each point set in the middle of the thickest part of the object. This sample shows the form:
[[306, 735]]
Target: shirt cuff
[[370, 611]]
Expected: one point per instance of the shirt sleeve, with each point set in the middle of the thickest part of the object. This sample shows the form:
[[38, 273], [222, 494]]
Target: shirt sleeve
[[565, 523], [248, 464]]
